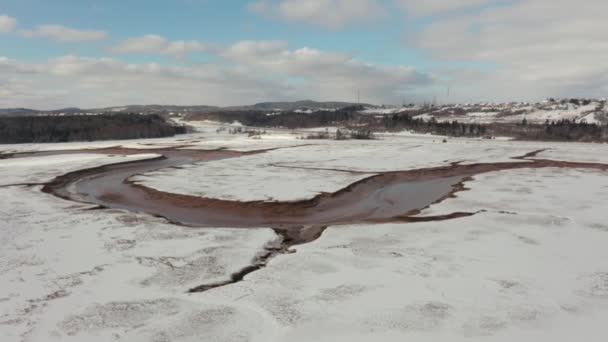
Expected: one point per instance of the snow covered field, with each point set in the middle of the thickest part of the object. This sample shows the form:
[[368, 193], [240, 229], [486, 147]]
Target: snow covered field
[[533, 268], [31, 170], [73, 274], [532, 265], [248, 179], [297, 173]]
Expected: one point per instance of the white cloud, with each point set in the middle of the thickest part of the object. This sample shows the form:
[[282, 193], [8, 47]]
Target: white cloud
[[78, 81], [248, 72], [181, 47], [159, 45], [248, 48], [62, 33], [328, 74], [7, 24], [148, 43], [327, 13], [539, 49], [429, 7], [314, 73]]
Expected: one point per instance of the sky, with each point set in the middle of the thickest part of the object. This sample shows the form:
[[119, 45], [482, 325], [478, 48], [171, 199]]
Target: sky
[[99, 53]]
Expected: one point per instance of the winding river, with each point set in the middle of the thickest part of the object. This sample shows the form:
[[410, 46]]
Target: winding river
[[397, 196]]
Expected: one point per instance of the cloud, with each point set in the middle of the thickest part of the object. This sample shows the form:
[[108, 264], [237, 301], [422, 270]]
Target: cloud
[[314, 73], [159, 45], [63, 34], [249, 48], [247, 72], [328, 74], [538, 49], [7, 24], [429, 7], [148, 43], [79, 81], [331, 14]]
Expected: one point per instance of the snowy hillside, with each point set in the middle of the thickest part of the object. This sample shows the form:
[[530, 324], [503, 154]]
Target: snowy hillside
[[579, 110]]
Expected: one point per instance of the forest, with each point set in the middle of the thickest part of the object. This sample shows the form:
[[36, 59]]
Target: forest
[[291, 120], [453, 129], [562, 130], [47, 129]]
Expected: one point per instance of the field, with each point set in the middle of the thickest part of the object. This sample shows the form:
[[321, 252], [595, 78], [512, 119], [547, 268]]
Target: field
[[527, 262]]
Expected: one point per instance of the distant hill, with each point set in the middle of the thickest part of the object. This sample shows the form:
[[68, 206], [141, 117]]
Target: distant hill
[[153, 109], [144, 109], [306, 104], [17, 111], [578, 110], [552, 110], [166, 109], [71, 110]]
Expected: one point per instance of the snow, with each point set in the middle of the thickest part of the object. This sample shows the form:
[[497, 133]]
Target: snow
[[537, 273], [249, 179], [304, 111], [380, 111], [589, 153], [138, 143], [388, 110], [482, 114], [302, 172], [516, 112], [331, 129], [70, 274], [532, 265], [44, 169], [570, 113], [425, 117], [392, 154], [310, 111], [590, 119]]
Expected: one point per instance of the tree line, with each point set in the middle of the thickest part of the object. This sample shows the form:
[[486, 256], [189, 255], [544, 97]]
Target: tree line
[[562, 130], [291, 120], [432, 126], [44, 129]]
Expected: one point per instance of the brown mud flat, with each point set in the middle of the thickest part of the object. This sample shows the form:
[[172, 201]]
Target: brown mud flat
[[397, 196]]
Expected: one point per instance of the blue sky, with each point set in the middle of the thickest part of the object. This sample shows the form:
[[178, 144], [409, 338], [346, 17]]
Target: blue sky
[[244, 51], [205, 20]]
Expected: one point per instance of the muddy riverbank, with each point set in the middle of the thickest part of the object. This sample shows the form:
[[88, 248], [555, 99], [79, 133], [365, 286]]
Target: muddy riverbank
[[383, 197]]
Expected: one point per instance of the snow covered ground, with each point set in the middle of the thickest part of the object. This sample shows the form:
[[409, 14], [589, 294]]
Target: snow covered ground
[[31, 170], [302, 172], [139, 143], [532, 266], [247, 179], [72, 274]]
